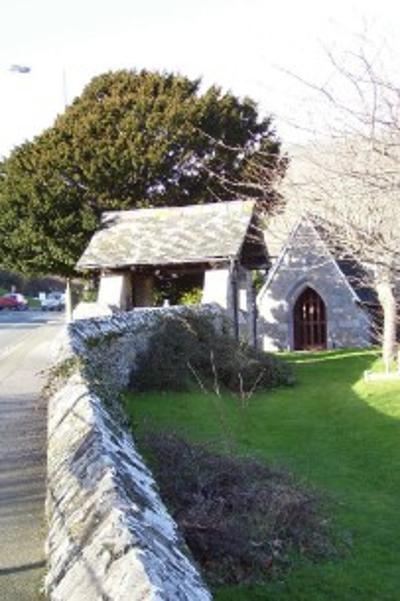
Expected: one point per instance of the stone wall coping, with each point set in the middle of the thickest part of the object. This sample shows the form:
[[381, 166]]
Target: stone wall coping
[[110, 537]]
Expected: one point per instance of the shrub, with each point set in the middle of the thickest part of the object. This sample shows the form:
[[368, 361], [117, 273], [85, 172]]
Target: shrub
[[191, 297], [242, 520], [187, 348]]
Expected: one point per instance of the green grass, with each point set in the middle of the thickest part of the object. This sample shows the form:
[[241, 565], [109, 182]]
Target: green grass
[[337, 434], [33, 303]]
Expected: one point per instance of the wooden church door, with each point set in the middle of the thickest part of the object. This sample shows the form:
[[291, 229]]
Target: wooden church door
[[309, 319]]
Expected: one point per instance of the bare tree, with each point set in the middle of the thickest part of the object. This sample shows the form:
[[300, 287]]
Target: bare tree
[[347, 176], [349, 180]]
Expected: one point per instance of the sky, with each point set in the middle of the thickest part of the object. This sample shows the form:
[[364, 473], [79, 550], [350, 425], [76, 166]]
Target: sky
[[246, 46]]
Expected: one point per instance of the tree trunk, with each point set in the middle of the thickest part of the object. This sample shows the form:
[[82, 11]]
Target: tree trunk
[[388, 303]]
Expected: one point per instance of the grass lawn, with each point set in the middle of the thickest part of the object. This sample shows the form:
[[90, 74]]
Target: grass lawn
[[337, 434], [33, 303]]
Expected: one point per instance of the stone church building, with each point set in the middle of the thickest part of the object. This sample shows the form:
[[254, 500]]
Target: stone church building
[[311, 300]]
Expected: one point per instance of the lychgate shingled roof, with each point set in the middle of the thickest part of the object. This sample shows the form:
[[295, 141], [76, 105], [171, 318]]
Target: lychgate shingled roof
[[174, 235]]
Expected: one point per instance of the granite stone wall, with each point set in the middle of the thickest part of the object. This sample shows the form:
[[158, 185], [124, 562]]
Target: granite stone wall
[[110, 536], [306, 261]]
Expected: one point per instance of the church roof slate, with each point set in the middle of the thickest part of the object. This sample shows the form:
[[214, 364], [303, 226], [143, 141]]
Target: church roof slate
[[210, 232]]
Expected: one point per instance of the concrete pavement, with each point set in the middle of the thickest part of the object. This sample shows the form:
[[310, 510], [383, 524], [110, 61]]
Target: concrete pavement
[[27, 341]]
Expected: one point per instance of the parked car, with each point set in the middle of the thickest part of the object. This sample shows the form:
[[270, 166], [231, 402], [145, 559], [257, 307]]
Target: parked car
[[13, 300], [54, 301]]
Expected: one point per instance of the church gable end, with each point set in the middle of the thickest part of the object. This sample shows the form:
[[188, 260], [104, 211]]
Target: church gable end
[[307, 302]]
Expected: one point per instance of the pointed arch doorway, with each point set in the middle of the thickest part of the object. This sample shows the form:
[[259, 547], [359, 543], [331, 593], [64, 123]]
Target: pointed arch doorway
[[309, 321]]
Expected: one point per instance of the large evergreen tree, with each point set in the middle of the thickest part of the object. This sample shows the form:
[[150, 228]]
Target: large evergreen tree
[[132, 139]]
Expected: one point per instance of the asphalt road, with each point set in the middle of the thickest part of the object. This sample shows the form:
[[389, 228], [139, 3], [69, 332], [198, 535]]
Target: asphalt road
[[27, 343]]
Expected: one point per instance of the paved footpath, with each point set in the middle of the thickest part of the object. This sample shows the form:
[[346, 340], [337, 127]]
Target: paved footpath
[[27, 342]]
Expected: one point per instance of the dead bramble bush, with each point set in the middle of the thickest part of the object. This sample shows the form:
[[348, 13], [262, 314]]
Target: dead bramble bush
[[242, 520]]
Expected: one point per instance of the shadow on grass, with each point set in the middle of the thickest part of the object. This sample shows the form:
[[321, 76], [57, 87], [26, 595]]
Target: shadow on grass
[[333, 355]]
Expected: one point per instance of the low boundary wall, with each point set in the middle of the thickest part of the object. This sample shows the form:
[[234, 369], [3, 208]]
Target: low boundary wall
[[110, 536]]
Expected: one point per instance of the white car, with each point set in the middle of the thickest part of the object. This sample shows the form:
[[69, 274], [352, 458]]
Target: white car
[[54, 301]]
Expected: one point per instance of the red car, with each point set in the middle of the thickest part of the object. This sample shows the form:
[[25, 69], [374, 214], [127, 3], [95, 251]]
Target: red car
[[14, 301]]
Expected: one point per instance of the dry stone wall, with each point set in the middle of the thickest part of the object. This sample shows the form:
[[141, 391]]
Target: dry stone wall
[[110, 536]]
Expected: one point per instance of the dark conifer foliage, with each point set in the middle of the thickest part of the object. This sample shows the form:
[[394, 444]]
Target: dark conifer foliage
[[132, 139]]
